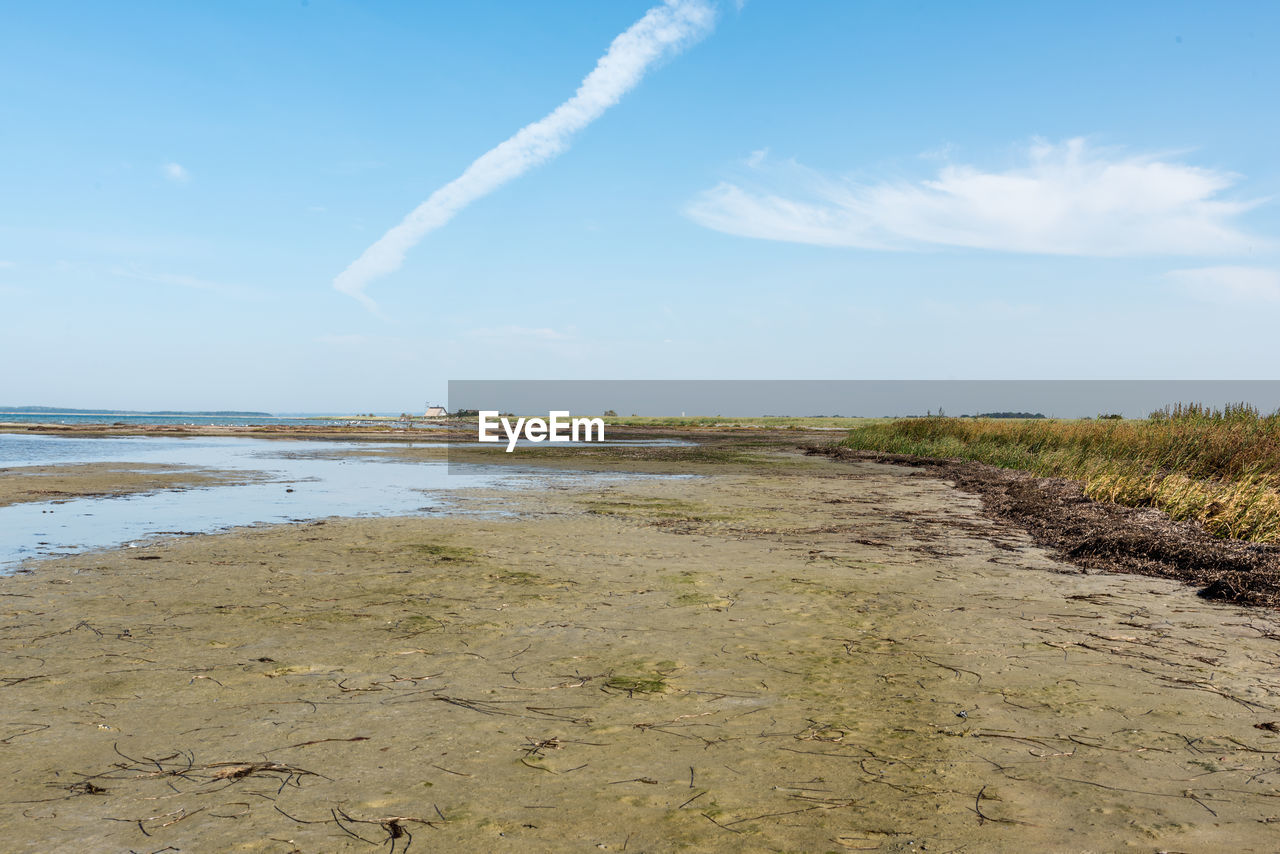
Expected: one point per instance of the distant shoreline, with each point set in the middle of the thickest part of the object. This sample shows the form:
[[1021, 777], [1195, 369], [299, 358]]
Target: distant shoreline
[[25, 413], [60, 410], [328, 428], [93, 413]]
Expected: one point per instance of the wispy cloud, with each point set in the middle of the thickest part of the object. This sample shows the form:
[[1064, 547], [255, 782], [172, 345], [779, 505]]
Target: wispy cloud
[[662, 31], [179, 280], [176, 173], [7, 265], [543, 342], [1064, 199], [1230, 284]]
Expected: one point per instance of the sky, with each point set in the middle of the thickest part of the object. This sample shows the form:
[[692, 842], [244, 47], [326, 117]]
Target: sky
[[336, 206]]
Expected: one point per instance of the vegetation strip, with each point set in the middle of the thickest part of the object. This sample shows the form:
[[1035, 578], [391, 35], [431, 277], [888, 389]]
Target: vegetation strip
[[1218, 467]]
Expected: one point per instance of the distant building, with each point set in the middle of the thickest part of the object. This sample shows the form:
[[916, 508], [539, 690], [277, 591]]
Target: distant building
[[436, 412]]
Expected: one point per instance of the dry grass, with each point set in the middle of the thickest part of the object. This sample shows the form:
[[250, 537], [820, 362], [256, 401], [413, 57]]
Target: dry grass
[[1219, 467]]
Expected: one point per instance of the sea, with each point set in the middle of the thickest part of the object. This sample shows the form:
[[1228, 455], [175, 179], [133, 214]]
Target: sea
[[221, 419], [285, 480]]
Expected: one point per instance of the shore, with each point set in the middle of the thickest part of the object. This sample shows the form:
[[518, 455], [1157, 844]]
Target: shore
[[788, 652], [335, 431], [86, 480]]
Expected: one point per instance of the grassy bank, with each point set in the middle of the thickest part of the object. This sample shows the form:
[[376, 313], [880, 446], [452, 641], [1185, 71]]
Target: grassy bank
[[1220, 467]]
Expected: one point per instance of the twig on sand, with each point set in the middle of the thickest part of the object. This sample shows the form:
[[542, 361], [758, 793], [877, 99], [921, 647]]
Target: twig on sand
[[395, 826], [983, 817], [708, 817]]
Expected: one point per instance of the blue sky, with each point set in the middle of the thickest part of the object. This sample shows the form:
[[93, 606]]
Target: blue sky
[[843, 190]]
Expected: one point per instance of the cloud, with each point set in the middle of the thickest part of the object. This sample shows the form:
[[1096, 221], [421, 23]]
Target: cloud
[[180, 280], [176, 173], [7, 265], [1065, 199], [1230, 284], [541, 340], [663, 31]]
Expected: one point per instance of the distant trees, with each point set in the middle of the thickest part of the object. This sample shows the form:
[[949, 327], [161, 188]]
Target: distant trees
[[1010, 415]]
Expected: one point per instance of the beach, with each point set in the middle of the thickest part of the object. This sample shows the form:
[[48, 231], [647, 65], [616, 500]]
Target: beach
[[781, 652], [666, 426]]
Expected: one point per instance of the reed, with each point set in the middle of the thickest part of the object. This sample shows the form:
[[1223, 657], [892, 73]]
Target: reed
[[1220, 467]]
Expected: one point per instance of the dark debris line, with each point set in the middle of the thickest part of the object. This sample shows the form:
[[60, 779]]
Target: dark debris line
[[1098, 535]]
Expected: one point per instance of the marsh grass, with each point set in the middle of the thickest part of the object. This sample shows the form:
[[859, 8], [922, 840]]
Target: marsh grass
[[1220, 467]]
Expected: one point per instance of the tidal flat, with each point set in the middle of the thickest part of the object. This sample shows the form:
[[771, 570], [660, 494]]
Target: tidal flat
[[783, 653]]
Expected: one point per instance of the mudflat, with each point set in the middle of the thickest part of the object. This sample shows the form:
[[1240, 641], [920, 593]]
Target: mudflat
[[81, 480], [801, 655]]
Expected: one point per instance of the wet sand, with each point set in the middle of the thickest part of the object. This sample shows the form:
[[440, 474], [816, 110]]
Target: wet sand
[[84, 480], [802, 655]]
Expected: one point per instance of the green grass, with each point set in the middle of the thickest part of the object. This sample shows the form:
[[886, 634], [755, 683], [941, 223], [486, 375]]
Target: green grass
[[1219, 467]]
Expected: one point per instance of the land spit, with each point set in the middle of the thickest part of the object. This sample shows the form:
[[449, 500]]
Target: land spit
[[87, 480], [795, 654]]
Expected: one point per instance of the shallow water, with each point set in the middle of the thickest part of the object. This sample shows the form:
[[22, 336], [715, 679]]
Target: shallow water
[[186, 418], [304, 480]]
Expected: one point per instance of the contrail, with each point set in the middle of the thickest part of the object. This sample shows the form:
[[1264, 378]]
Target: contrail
[[663, 31]]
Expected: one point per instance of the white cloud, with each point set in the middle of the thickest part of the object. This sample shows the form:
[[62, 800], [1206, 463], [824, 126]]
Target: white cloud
[[663, 30], [7, 265], [1066, 199], [1230, 284], [180, 280], [176, 173]]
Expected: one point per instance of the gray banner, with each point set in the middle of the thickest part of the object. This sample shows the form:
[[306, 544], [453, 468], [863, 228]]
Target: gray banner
[[854, 398]]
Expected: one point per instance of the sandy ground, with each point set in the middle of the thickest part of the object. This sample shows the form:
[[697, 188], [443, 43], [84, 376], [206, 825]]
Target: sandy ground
[[817, 656], [81, 480]]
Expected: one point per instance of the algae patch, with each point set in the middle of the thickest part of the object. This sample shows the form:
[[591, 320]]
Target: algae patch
[[637, 684], [443, 553]]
